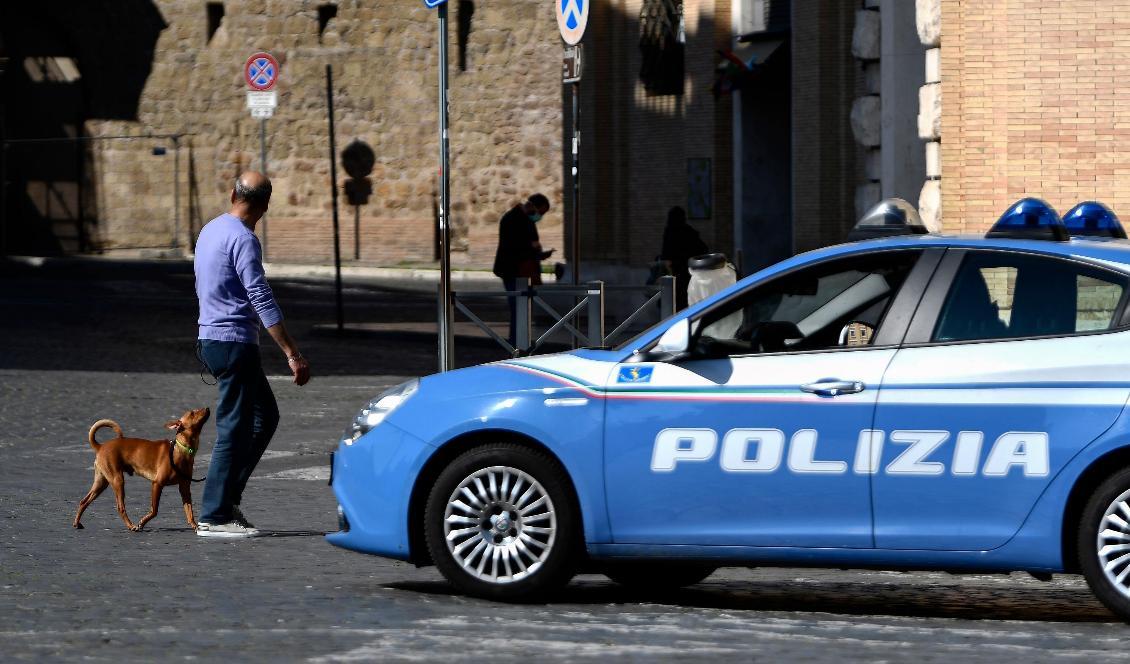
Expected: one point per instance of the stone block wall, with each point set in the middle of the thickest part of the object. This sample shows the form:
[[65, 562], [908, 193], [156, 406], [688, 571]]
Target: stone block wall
[[1034, 103], [929, 20], [505, 119], [884, 117], [133, 196]]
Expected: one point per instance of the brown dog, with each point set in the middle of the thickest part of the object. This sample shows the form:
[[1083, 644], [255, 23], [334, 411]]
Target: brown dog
[[149, 458]]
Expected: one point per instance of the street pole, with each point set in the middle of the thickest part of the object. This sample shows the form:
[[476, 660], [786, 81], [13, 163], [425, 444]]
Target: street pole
[[576, 177], [445, 313], [263, 164], [333, 188], [3, 193], [80, 167], [176, 192]]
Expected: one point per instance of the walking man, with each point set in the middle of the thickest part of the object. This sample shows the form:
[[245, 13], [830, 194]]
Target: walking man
[[234, 297], [519, 251]]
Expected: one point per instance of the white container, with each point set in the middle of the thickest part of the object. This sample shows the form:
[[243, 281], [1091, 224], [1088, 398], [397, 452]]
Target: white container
[[711, 274]]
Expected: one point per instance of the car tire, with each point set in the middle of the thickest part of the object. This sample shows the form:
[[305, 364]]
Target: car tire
[[500, 523], [1103, 529], [642, 575]]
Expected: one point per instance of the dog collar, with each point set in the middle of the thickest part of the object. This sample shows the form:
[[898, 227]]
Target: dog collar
[[188, 450]]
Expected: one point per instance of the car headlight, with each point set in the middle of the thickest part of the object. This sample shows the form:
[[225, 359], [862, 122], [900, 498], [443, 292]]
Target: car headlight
[[378, 409]]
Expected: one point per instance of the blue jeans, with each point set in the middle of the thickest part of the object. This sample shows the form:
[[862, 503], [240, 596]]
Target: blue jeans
[[246, 418]]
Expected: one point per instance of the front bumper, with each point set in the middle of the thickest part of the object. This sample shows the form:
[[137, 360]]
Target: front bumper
[[372, 480]]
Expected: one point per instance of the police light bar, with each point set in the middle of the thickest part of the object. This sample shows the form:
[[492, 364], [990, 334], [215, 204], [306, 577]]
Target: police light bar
[[1032, 219], [888, 218], [1093, 219]]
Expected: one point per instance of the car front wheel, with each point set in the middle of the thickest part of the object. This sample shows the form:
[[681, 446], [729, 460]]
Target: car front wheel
[[1104, 543], [500, 523]]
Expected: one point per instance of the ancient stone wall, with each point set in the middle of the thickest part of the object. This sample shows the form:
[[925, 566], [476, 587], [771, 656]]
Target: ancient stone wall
[[506, 105]]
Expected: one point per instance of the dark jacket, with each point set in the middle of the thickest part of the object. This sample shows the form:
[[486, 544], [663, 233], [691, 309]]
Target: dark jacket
[[516, 254], [681, 242]]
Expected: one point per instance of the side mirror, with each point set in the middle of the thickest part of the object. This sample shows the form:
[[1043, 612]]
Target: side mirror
[[676, 340]]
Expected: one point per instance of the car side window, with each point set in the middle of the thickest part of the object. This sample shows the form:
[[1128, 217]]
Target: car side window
[[835, 304], [1002, 295]]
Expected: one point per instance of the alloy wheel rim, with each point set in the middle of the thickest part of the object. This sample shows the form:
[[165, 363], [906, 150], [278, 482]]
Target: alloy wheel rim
[[1113, 543], [499, 524]]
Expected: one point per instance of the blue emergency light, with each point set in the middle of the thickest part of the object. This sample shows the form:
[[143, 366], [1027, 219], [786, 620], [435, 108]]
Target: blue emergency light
[[1032, 219], [889, 217], [1093, 219]]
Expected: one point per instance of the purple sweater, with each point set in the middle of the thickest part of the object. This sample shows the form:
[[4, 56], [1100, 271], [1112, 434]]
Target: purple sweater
[[230, 284]]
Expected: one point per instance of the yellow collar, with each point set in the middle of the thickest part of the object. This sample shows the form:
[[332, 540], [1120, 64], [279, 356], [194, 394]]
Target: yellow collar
[[188, 450]]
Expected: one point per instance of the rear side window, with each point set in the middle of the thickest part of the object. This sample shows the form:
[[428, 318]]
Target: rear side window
[[999, 295]]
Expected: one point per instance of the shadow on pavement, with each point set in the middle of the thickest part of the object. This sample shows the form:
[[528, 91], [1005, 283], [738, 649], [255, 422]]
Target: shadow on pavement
[[140, 317], [849, 598]]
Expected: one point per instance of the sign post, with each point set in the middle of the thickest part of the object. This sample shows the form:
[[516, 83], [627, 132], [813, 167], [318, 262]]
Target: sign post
[[333, 196], [261, 71], [572, 19], [446, 314]]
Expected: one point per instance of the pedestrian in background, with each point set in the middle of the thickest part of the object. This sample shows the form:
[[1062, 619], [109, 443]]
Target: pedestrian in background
[[234, 297], [519, 252], [681, 242]]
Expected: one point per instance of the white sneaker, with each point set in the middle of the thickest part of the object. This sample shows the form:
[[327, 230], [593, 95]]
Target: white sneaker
[[237, 516], [230, 529]]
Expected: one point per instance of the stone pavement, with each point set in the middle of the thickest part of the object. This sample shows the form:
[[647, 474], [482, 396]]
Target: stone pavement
[[80, 344]]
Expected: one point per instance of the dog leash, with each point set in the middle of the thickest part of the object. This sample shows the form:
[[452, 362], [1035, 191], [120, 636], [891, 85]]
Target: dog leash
[[173, 443], [204, 365]]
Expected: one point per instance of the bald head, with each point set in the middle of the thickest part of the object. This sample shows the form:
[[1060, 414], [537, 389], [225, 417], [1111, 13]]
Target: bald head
[[251, 196]]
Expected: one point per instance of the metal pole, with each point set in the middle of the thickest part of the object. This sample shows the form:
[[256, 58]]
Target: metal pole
[[263, 165], [576, 177], [523, 316], [356, 232], [176, 192], [80, 167], [445, 319], [595, 297], [3, 196], [333, 188], [666, 297]]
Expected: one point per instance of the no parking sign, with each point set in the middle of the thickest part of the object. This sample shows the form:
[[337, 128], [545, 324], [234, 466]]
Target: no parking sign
[[261, 71]]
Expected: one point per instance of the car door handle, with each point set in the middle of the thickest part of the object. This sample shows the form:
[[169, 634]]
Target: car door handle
[[830, 387]]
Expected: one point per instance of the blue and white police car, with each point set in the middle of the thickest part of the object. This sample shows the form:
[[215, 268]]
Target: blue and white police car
[[916, 402]]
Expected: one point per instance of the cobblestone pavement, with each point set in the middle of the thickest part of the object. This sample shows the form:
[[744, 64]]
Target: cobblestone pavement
[[78, 344]]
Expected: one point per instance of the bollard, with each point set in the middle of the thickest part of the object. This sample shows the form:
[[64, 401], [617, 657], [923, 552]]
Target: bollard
[[666, 296], [595, 298], [523, 317]]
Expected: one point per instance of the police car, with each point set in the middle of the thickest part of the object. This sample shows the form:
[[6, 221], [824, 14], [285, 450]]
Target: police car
[[910, 401]]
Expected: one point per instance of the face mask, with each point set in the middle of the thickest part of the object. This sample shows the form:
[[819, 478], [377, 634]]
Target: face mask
[[535, 217]]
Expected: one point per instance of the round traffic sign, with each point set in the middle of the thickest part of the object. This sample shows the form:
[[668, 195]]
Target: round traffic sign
[[572, 17], [261, 71]]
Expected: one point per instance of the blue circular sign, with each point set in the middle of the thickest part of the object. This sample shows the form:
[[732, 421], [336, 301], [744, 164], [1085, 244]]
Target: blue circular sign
[[572, 18]]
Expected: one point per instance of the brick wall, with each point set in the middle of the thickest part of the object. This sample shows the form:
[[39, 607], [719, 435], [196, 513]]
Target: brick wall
[[1034, 103], [505, 125]]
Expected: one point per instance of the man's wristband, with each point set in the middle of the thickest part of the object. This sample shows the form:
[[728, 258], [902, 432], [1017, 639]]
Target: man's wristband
[[294, 358]]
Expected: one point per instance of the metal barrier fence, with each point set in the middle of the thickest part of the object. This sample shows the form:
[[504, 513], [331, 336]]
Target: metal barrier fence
[[590, 301]]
